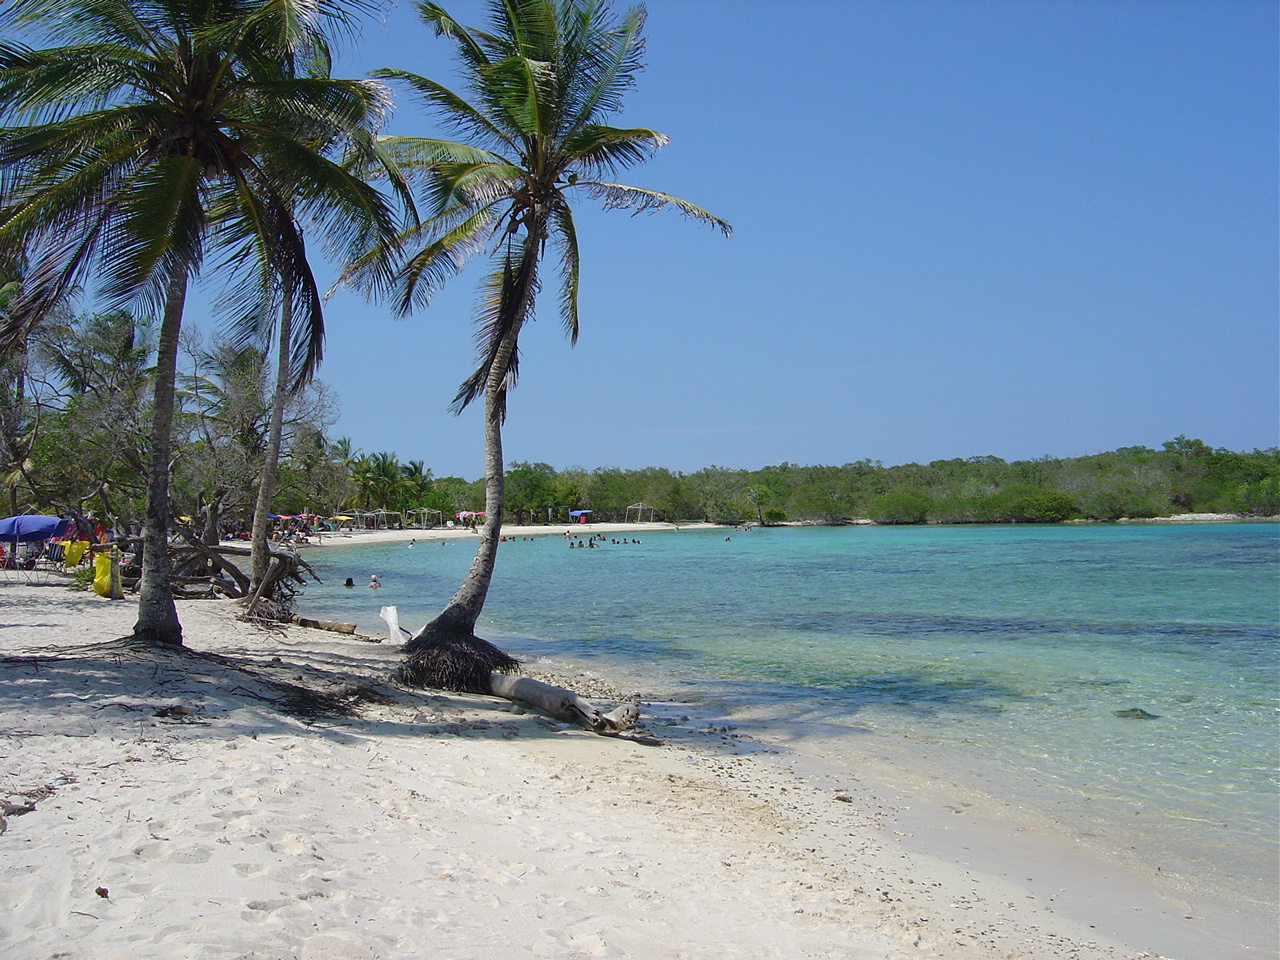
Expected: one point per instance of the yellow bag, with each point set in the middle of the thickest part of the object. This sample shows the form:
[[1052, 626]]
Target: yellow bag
[[102, 574], [73, 551]]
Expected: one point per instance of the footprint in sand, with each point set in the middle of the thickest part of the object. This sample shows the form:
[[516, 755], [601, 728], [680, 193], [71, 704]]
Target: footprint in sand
[[164, 850], [289, 845], [260, 910], [196, 854]]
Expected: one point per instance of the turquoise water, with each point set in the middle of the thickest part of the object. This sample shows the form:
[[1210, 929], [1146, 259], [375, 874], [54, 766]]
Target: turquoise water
[[996, 654]]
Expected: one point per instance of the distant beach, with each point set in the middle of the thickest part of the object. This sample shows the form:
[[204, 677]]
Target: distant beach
[[200, 806], [461, 532]]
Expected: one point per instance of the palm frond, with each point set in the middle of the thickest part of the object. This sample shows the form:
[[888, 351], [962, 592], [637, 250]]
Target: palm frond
[[566, 235], [455, 111], [611, 58], [599, 150], [618, 196], [506, 301], [426, 270]]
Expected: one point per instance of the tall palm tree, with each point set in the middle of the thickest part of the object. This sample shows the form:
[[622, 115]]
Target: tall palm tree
[[541, 79], [158, 130]]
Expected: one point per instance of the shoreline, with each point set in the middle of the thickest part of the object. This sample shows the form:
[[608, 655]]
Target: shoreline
[[354, 537], [508, 833]]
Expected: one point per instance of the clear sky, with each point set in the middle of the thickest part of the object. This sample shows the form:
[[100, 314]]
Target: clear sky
[[961, 227]]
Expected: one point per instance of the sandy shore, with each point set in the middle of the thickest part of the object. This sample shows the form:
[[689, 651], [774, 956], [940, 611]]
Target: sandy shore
[[272, 794], [349, 537]]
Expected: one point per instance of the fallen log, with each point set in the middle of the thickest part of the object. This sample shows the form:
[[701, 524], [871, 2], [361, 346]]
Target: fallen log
[[330, 625], [564, 704]]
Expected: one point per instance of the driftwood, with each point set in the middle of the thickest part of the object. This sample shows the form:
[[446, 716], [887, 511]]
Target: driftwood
[[273, 594], [563, 704], [330, 625], [196, 550]]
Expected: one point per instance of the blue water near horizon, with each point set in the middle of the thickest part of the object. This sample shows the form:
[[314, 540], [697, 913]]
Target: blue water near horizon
[[1000, 654]]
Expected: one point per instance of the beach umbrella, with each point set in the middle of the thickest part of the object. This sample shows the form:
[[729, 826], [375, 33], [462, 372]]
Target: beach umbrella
[[31, 527]]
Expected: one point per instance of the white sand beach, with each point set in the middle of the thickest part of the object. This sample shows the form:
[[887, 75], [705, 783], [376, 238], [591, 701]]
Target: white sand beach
[[219, 804]]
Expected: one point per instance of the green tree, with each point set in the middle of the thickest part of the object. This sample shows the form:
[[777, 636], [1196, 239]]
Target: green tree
[[900, 506], [542, 78], [159, 129], [1039, 506], [92, 375], [529, 487]]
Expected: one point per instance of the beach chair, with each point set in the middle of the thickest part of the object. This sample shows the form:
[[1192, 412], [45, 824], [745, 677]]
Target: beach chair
[[41, 560]]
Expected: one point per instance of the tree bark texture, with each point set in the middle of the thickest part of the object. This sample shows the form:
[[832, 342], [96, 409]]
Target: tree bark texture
[[157, 613], [563, 704], [271, 457]]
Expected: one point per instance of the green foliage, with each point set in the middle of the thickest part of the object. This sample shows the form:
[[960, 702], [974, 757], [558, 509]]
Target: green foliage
[[901, 506], [1260, 498], [81, 579], [1044, 506]]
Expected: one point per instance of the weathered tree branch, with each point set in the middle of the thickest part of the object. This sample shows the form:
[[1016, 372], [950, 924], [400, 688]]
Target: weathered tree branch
[[563, 704]]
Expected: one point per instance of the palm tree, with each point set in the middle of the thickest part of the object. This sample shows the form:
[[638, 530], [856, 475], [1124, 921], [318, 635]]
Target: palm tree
[[416, 484], [160, 129], [541, 78]]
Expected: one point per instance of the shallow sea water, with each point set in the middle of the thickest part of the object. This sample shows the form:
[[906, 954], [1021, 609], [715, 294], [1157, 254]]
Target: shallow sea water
[[999, 655]]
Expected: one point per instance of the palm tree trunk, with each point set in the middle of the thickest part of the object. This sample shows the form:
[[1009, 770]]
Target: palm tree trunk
[[463, 610], [157, 613], [446, 653], [270, 463]]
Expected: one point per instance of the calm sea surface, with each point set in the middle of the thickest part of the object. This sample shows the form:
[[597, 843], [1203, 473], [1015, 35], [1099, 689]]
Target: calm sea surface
[[997, 654]]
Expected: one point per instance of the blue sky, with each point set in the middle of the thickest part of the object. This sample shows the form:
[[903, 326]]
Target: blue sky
[[962, 227]]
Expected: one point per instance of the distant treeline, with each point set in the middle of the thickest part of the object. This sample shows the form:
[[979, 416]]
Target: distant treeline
[[74, 428], [1184, 476]]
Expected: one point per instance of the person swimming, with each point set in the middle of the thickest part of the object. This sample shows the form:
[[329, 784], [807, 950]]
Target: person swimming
[[373, 581], [349, 583]]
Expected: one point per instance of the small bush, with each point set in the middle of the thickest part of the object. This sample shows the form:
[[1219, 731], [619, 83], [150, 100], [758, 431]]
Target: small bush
[[81, 579]]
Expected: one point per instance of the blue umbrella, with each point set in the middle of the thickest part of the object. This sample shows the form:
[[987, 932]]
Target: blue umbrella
[[30, 527]]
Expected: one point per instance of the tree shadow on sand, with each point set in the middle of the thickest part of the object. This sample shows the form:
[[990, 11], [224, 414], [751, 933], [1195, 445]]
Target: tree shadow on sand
[[84, 690]]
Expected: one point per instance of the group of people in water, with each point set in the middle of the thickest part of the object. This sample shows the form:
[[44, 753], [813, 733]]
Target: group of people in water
[[575, 542], [590, 542]]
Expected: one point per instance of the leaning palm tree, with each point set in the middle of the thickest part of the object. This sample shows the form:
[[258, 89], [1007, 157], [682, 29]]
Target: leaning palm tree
[[161, 129], [541, 80]]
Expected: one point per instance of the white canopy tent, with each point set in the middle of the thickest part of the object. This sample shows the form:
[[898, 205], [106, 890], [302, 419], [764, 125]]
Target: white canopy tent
[[426, 517]]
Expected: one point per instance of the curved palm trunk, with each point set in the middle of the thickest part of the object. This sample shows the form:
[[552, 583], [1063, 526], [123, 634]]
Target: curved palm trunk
[[267, 481], [157, 613], [446, 652], [469, 599]]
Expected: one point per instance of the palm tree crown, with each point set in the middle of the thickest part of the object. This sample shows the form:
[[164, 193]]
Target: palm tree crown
[[160, 128], [541, 79]]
